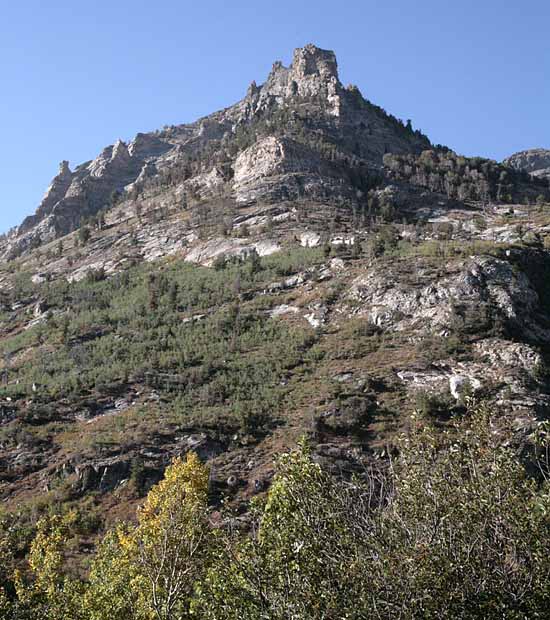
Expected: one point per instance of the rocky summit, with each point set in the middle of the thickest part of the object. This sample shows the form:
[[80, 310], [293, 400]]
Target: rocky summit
[[300, 263], [259, 149]]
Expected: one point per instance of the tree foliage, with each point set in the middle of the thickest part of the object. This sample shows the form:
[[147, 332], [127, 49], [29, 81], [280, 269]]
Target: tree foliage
[[455, 529], [149, 571]]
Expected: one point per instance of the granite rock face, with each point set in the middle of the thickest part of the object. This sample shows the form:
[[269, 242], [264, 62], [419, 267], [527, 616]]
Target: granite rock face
[[73, 196], [282, 169], [207, 252], [432, 305]]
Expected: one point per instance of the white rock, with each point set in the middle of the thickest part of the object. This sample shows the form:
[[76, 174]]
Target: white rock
[[337, 264], [429, 304], [39, 278], [313, 320], [343, 240], [266, 247], [461, 385], [317, 317], [283, 309], [310, 239], [206, 252]]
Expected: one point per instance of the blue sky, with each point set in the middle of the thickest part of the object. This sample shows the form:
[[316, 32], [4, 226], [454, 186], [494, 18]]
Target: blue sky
[[75, 76]]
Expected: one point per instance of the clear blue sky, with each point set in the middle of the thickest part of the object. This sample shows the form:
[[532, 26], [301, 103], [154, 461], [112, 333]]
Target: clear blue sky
[[75, 76]]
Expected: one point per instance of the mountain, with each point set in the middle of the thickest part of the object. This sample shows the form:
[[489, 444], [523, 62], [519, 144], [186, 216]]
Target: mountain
[[293, 132], [300, 263], [533, 161]]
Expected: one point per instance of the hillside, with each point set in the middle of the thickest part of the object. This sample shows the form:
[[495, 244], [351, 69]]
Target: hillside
[[301, 263]]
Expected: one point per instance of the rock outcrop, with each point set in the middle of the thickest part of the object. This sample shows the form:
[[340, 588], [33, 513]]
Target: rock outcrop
[[282, 169], [313, 73], [206, 253], [431, 304], [73, 196], [534, 161]]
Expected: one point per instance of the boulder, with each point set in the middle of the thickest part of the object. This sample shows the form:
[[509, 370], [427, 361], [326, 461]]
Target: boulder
[[310, 239]]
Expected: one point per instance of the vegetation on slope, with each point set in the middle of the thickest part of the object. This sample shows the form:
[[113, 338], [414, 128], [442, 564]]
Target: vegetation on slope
[[157, 327], [466, 178]]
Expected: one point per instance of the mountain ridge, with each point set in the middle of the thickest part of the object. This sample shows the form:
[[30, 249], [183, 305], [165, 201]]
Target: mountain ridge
[[313, 74]]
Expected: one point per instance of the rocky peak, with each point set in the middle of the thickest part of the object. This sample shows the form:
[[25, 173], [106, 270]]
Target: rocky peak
[[55, 192], [120, 151], [312, 73], [311, 60], [112, 158], [252, 89], [98, 165], [308, 89], [58, 186]]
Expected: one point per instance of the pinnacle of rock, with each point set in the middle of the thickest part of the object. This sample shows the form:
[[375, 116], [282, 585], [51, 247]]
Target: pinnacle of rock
[[64, 169], [312, 60], [120, 151]]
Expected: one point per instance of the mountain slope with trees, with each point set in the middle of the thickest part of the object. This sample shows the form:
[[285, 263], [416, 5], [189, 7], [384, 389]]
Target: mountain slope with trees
[[300, 268]]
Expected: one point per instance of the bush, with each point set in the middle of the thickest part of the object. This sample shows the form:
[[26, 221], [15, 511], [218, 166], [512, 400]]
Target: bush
[[430, 404], [84, 234], [455, 530]]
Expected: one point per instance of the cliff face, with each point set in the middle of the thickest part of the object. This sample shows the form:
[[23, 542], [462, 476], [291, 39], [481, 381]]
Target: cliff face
[[303, 107]]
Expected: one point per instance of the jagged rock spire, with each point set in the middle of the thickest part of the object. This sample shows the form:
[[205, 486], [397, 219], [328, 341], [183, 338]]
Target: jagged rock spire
[[64, 169], [312, 60], [313, 72]]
